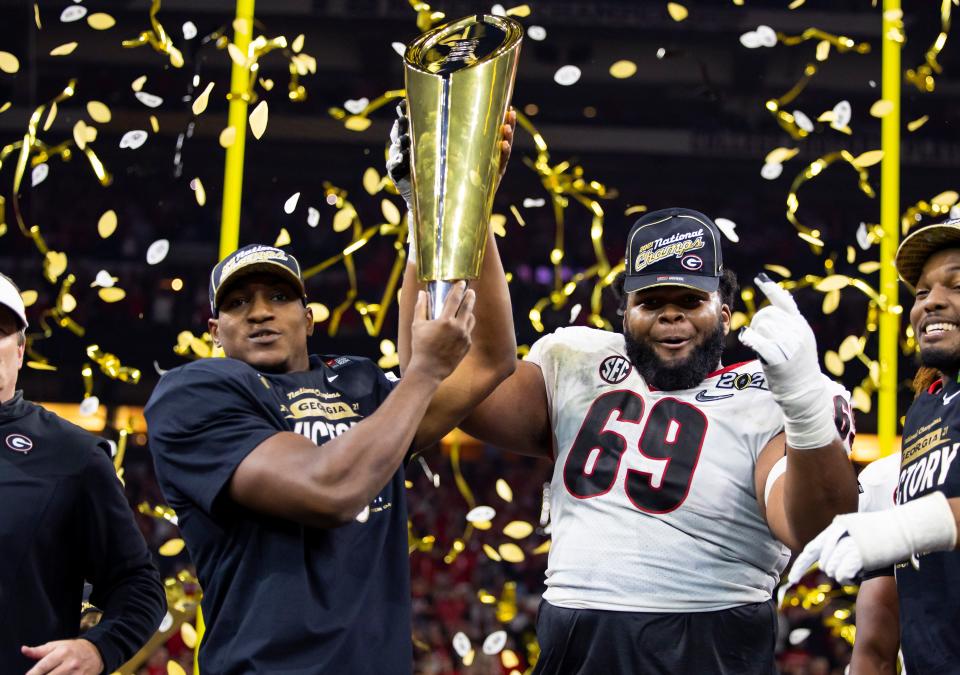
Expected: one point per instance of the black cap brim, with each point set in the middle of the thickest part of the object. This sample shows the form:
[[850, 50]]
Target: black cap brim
[[696, 281]]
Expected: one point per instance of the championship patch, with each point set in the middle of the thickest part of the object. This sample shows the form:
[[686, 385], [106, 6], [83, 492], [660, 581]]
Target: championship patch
[[614, 369], [677, 245]]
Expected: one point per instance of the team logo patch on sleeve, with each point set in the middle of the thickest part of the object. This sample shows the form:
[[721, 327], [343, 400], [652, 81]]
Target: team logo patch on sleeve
[[614, 369]]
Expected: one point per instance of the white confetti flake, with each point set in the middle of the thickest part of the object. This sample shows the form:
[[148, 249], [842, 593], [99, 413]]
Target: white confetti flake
[[771, 170], [567, 75], [750, 39], [73, 13], [39, 174], [479, 514], [167, 623], [356, 106], [495, 642], [575, 312], [291, 204], [89, 406], [863, 239], [531, 203], [189, 30], [728, 227], [766, 36], [842, 112], [133, 139], [313, 217], [461, 644], [158, 251], [802, 121], [104, 280], [538, 33], [149, 100], [498, 10], [399, 48]]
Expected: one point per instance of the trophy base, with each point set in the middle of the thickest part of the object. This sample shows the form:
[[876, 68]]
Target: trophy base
[[437, 292]]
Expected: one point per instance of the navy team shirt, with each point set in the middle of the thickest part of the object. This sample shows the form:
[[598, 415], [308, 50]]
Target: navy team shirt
[[280, 597], [929, 584]]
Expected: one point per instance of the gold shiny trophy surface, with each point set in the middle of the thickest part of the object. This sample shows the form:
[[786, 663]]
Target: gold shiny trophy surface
[[459, 80]]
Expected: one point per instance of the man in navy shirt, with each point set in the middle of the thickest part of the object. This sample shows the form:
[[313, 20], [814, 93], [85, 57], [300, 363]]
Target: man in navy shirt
[[64, 521], [286, 469], [919, 534]]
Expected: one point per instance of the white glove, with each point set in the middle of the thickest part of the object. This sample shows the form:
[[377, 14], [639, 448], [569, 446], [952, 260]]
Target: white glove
[[867, 541], [788, 352], [398, 157]]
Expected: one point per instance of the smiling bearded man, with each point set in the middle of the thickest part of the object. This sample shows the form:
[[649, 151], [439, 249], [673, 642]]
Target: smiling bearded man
[[678, 484]]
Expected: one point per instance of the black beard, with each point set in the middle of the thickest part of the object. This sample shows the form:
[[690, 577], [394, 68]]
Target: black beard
[[685, 374], [944, 360]]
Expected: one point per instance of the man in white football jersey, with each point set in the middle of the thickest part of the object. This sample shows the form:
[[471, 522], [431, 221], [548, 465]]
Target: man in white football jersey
[[679, 484]]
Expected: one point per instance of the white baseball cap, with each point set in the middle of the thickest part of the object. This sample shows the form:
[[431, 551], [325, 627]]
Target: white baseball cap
[[10, 298]]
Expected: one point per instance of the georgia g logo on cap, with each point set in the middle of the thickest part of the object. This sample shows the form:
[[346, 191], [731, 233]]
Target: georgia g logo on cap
[[19, 443]]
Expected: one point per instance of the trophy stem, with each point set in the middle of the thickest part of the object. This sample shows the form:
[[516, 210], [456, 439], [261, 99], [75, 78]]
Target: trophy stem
[[438, 292]]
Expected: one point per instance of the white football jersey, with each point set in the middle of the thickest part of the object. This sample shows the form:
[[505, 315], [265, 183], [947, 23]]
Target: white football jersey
[[878, 483], [653, 504]]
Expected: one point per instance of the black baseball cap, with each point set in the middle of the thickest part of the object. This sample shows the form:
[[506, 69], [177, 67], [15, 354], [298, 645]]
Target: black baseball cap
[[250, 260], [673, 247], [920, 245]]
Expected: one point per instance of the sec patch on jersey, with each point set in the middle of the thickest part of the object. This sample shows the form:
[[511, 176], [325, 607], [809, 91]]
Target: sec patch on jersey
[[615, 369]]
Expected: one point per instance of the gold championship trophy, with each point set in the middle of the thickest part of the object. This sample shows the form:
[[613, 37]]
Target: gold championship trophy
[[459, 80]]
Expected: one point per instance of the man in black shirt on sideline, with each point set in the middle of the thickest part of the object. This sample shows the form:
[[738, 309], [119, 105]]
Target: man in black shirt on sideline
[[63, 520]]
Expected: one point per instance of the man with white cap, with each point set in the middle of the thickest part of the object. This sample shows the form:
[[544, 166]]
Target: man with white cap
[[64, 521], [919, 534]]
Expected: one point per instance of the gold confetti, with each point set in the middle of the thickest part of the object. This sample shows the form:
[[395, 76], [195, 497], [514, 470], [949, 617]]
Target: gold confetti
[[112, 294], [795, 4], [188, 634], [491, 553], [945, 200], [228, 136], [677, 11], [542, 548], [917, 123], [297, 44], [390, 211], [29, 298], [36, 16], [55, 264], [868, 158], [779, 269], [357, 123], [174, 668], [283, 238], [198, 191], [107, 224], [868, 267], [320, 312], [343, 218], [861, 400], [101, 21], [201, 102], [236, 55], [834, 282], [172, 547], [522, 11], [623, 69], [504, 491], [154, 124], [511, 553], [831, 300], [98, 112], [780, 155], [881, 108], [138, 83], [850, 347], [636, 208], [51, 116], [68, 303], [518, 529], [922, 76], [834, 363], [498, 223], [823, 50], [9, 63], [258, 119], [6, 106], [509, 659], [482, 525], [64, 49], [371, 181]]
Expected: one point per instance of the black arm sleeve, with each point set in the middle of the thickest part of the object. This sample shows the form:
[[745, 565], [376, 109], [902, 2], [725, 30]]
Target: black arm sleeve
[[126, 584]]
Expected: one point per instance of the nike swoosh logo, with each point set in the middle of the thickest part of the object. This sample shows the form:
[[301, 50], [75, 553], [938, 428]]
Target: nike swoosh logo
[[331, 378], [703, 396], [947, 399]]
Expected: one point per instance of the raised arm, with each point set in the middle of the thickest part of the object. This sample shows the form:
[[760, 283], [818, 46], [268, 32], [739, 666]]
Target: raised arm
[[287, 476], [492, 356], [803, 478]]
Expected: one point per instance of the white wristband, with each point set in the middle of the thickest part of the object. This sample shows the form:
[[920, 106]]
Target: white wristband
[[411, 239], [814, 427], [890, 536]]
